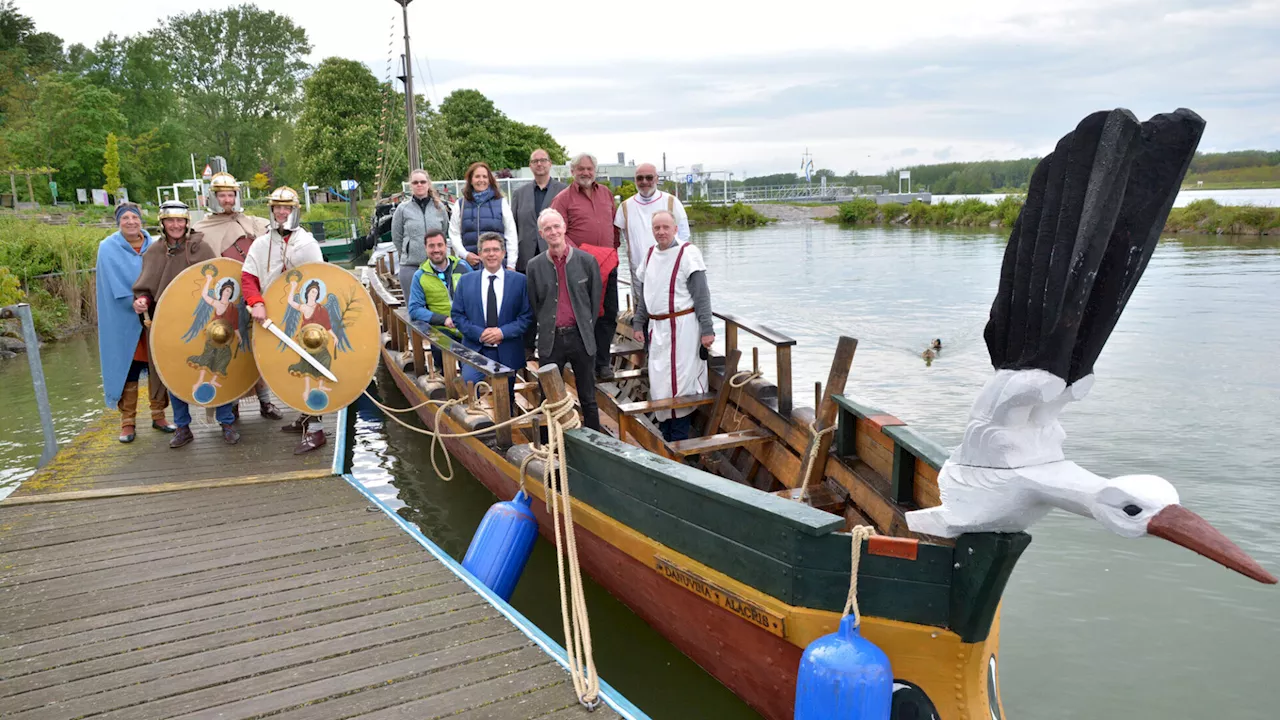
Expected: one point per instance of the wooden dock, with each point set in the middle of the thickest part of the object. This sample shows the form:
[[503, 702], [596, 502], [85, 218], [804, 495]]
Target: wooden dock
[[211, 581]]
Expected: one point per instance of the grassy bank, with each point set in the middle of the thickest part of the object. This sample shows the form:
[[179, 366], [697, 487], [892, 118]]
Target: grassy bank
[[50, 267], [1201, 216], [1241, 178], [739, 215]]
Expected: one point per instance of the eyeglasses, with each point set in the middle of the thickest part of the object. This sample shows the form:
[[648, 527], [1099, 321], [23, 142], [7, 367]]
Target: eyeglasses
[[540, 161], [417, 182], [646, 178]]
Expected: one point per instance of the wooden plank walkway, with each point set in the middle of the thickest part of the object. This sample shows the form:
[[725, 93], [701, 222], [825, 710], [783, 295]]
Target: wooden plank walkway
[[290, 599]]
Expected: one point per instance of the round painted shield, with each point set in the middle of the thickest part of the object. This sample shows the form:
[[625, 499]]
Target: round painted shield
[[200, 337], [327, 349]]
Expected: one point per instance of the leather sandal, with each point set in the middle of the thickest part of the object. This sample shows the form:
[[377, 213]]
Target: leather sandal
[[297, 427], [269, 410], [230, 435], [310, 441]]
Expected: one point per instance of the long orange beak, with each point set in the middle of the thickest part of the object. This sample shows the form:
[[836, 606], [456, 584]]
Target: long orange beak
[[1183, 527]]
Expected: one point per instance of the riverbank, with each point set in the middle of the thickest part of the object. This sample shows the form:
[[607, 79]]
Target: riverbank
[[703, 215], [1200, 216]]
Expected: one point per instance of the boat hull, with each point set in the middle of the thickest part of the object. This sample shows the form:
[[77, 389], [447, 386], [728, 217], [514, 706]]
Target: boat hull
[[748, 640]]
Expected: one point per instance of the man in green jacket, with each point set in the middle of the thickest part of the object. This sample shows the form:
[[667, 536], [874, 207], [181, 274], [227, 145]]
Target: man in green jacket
[[431, 291]]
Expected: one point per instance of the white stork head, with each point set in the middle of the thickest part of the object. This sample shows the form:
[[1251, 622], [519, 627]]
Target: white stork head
[[1135, 505]]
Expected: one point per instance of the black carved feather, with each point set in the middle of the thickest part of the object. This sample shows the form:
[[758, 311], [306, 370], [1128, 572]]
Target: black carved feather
[[1093, 215]]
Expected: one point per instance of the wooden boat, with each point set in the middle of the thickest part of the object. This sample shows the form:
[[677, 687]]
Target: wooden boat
[[706, 539]]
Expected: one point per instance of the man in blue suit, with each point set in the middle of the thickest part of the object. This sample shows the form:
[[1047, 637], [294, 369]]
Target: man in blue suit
[[491, 310]]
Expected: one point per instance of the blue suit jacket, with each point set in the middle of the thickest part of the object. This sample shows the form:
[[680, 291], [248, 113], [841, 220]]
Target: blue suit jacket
[[514, 317]]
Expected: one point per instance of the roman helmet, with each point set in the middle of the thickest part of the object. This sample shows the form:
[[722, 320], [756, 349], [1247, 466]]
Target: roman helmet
[[288, 197], [175, 209], [221, 182]]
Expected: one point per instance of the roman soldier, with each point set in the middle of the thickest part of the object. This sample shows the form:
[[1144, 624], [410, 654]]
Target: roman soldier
[[283, 248], [230, 232]]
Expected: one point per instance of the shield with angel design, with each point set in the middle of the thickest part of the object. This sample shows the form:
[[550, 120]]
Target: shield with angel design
[[328, 316], [200, 339]]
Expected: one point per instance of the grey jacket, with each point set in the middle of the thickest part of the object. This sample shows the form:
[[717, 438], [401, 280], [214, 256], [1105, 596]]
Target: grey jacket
[[583, 275], [531, 242], [409, 226]]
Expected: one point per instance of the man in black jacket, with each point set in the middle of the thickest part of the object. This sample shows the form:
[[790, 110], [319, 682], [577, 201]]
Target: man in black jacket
[[564, 291]]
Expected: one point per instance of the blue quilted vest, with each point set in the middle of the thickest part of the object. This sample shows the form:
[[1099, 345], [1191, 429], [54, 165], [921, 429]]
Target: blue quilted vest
[[480, 218]]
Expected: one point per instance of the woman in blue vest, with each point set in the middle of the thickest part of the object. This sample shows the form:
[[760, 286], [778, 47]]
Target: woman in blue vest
[[481, 209]]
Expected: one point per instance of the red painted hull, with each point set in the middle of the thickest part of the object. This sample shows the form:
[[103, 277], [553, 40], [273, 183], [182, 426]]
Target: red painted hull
[[757, 666]]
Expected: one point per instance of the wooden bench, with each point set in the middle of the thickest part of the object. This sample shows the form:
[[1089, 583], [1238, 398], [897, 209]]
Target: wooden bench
[[719, 441], [636, 374], [626, 347], [675, 403]]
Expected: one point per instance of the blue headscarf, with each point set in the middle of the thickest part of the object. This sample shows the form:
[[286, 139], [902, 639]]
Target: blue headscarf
[[123, 208], [118, 325]]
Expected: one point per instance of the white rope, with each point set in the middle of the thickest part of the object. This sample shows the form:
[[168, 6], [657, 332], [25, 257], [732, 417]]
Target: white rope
[[856, 536], [555, 481], [737, 382], [811, 456]]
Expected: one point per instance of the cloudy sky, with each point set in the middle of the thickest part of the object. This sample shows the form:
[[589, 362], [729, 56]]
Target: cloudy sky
[[747, 87]]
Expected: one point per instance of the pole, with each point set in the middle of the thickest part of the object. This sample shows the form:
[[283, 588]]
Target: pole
[[193, 167], [411, 125], [23, 312]]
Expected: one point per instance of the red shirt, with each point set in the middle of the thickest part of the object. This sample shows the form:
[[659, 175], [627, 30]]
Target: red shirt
[[588, 215], [564, 306]]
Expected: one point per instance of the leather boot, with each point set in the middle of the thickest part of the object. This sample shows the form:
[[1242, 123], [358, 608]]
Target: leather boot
[[297, 427], [269, 410], [181, 437], [230, 435], [128, 412], [158, 420]]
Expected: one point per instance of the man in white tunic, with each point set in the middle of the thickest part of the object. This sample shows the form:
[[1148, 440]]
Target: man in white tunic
[[285, 247], [675, 307], [635, 219]]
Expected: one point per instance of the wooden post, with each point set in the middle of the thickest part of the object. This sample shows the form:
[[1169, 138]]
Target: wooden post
[[450, 375], [419, 357], [13, 189], [31, 191], [730, 337], [501, 399], [552, 383], [722, 397], [784, 378], [840, 365]]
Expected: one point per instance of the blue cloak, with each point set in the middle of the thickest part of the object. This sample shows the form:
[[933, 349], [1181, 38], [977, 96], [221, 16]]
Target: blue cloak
[[118, 325]]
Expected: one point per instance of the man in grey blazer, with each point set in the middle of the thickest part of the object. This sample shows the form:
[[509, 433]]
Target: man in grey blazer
[[528, 201], [565, 293]]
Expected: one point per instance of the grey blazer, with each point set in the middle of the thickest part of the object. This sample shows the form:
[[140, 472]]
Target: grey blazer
[[531, 242], [583, 276]]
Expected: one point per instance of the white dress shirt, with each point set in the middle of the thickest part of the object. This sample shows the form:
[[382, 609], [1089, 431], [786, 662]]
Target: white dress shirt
[[484, 290]]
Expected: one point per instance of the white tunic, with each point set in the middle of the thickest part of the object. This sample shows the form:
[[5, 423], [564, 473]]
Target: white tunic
[[635, 218], [675, 369], [270, 257]]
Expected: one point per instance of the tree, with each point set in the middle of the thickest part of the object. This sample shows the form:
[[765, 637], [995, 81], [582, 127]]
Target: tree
[[479, 131], [339, 126], [260, 182], [241, 69], [111, 169], [824, 173], [65, 128]]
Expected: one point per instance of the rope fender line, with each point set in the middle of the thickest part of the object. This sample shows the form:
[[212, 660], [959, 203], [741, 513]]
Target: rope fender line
[[560, 416], [811, 455], [857, 535]]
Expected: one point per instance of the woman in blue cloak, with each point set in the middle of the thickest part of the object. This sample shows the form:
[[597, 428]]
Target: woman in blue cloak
[[122, 340]]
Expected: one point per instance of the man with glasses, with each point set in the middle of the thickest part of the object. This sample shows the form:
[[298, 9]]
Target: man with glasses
[[635, 219], [588, 211], [432, 290], [528, 201]]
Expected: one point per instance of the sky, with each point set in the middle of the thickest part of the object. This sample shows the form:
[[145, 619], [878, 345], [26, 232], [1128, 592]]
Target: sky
[[749, 87]]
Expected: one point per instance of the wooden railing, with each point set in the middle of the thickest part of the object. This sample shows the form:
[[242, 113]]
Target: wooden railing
[[908, 460], [406, 334], [782, 347]]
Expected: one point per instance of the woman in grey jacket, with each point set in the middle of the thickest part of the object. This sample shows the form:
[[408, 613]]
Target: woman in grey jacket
[[412, 220]]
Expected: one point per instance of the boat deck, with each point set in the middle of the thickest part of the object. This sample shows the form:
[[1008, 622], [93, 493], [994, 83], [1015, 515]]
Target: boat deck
[[237, 582]]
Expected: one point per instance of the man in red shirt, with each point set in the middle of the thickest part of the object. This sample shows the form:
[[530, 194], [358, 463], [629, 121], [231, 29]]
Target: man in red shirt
[[588, 211]]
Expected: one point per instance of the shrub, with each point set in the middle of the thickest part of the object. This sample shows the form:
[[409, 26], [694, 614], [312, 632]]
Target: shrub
[[858, 210]]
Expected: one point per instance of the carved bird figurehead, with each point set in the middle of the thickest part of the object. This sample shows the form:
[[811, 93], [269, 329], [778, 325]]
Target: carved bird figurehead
[[1094, 212]]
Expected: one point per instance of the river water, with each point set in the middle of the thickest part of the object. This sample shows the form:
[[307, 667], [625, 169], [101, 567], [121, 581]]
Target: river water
[[1094, 626], [1264, 197]]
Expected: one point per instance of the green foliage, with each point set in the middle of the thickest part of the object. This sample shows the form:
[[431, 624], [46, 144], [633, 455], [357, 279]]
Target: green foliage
[[787, 178], [29, 248], [337, 133], [1258, 176], [1211, 162], [858, 210], [65, 128], [627, 190], [10, 288], [111, 168], [478, 131], [260, 182], [239, 78], [1207, 216], [703, 214]]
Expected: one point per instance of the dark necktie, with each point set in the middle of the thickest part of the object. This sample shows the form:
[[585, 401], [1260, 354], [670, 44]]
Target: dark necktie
[[491, 313]]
